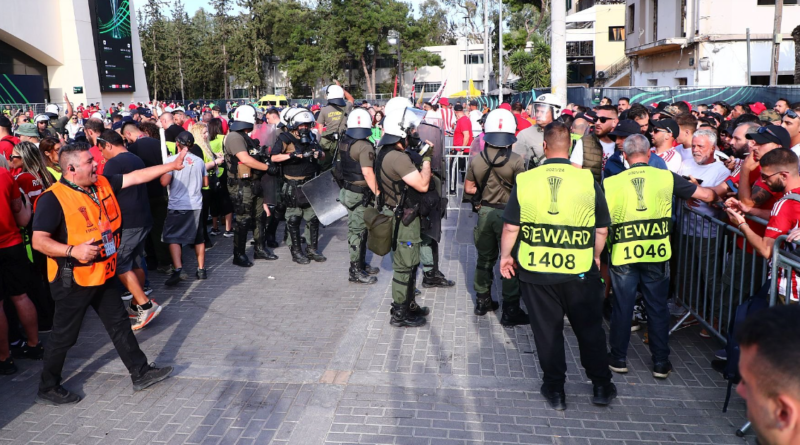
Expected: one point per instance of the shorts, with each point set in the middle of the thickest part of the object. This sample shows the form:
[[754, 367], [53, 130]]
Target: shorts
[[183, 227], [131, 249], [16, 271]]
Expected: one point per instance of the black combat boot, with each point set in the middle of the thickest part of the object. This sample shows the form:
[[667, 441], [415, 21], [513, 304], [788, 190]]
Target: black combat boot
[[434, 278], [269, 233], [362, 256], [402, 317], [484, 304], [358, 276], [239, 245], [513, 315], [411, 295], [261, 251], [293, 227], [313, 239]]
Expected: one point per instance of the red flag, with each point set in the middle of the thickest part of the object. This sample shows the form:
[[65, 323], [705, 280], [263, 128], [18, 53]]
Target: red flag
[[394, 94]]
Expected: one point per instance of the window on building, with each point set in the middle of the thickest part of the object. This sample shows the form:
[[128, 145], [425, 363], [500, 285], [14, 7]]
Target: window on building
[[427, 87], [772, 2], [474, 59], [616, 33], [580, 49], [631, 18], [386, 62], [682, 81], [652, 82]]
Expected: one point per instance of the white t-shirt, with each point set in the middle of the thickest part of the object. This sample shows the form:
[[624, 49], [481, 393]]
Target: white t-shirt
[[185, 189], [672, 158], [686, 153], [577, 153], [712, 174], [796, 149]]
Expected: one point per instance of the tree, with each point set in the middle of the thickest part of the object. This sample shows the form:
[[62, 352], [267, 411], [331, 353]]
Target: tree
[[532, 67], [222, 9], [796, 38]]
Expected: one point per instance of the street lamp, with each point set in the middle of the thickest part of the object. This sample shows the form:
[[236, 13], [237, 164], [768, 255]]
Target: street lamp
[[394, 40]]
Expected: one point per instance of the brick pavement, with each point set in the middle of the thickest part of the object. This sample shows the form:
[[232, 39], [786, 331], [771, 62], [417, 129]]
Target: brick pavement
[[288, 354]]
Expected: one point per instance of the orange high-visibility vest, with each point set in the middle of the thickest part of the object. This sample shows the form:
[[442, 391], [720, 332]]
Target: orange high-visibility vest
[[82, 217]]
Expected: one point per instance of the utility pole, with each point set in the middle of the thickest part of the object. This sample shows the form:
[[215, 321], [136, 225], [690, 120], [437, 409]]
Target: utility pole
[[486, 63], [466, 54], [399, 69], [500, 56], [776, 43], [558, 50], [748, 56]]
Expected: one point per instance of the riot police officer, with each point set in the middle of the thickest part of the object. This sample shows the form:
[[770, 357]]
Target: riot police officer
[[401, 185], [297, 151], [244, 184], [490, 177], [353, 168], [547, 108], [558, 219], [333, 120]]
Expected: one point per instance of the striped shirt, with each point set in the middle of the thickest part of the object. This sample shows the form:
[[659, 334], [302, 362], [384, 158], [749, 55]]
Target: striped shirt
[[784, 218]]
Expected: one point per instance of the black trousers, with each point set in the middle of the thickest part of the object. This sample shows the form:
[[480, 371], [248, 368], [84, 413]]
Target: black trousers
[[581, 300], [70, 308]]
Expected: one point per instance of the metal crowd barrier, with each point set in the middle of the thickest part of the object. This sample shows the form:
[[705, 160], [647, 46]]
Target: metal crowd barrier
[[456, 166]]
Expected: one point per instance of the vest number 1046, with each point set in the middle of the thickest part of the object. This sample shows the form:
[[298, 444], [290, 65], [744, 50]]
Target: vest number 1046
[[640, 252], [555, 260]]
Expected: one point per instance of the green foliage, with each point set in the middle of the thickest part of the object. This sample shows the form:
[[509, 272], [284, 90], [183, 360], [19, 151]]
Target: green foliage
[[532, 67]]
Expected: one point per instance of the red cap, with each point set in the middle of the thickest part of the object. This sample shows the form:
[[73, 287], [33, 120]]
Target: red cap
[[444, 102], [757, 108], [505, 106], [314, 107], [569, 112]]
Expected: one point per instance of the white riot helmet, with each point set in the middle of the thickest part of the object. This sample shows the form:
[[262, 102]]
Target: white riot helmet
[[98, 115], [397, 103], [302, 116], [283, 114], [335, 95], [51, 111], [289, 114], [551, 101], [500, 127], [359, 124], [392, 128], [41, 118], [244, 118]]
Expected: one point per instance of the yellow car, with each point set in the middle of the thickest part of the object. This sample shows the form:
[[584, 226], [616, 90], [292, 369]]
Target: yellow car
[[271, 100]]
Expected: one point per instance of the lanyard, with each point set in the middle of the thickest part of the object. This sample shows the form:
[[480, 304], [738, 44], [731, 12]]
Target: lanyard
[[640, 164], [92, 195]]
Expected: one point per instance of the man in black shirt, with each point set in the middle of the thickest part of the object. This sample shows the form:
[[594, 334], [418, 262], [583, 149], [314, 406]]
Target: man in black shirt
[[149, 151], [136, 222]]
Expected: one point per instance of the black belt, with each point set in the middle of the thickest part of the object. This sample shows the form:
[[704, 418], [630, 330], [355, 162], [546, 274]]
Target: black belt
[[355, 188], [494, 206], [297, 181]]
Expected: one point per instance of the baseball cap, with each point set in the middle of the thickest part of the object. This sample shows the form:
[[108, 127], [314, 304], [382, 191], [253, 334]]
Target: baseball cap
[[668, 124], [771, 133], [473, 103], [117, 125], [458, 107], [444, 102], [144, 112], [670, 111], [28, 129], [769, 116], [504, 106], [5, 122], [185, 138], [626, 128]]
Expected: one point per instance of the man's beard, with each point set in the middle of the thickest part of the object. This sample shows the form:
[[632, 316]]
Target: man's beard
[[777, 188]]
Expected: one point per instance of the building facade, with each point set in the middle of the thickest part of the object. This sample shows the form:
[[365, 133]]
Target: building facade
[[596, 43], [704, 42], [52, 47]]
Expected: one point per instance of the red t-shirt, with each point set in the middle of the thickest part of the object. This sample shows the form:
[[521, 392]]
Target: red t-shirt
[[98, 157], [785, 216], [522, 123], [7, 146], [188, 124], [9, 191], [224, 126], [30, 186], [755, 180], [462, 124]]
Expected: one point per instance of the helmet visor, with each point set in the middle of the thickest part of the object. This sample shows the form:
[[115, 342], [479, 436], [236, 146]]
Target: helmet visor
[[412, 117]]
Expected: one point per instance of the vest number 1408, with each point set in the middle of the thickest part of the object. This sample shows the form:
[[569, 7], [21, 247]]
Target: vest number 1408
[[556, 260], [639, 251]]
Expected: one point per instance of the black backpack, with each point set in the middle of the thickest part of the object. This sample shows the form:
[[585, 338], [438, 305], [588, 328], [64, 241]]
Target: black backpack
[[748, 307]]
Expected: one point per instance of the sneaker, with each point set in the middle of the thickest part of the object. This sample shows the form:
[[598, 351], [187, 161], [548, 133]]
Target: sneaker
[[127, 296], [152, 376], [704, 333], [148, 290], [166, 270], [602, 394], [30, 352], [556, 398], [201, 274], [635, 325], [173, 279], [662, 370], [146, 316], [132, 313], [721, 354], [214, 232], [618, 366], [228, 234], [7, 366], [56, 397]]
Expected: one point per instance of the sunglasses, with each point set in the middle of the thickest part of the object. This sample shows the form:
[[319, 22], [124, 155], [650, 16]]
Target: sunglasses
[[791, 114], [656, 130], [766, 130], [15, 157], [765, 177], [604, 119]]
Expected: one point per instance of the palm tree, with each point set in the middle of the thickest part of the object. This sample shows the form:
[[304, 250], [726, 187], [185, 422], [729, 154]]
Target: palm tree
[[796, 38]]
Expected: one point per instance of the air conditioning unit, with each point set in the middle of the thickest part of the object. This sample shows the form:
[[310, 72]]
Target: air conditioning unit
[[601, 74]]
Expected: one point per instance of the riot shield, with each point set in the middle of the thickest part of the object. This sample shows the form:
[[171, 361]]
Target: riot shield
[[428, 132], [432, 223], [265, 133], [322, 193]]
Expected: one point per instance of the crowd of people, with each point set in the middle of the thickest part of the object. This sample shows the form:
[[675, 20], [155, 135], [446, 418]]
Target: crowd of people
[[576, 202]]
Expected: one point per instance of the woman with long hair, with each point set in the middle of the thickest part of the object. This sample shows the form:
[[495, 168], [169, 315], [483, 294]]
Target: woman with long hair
[[33, 179], [221, 205], [49, 148], [376, 127]]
